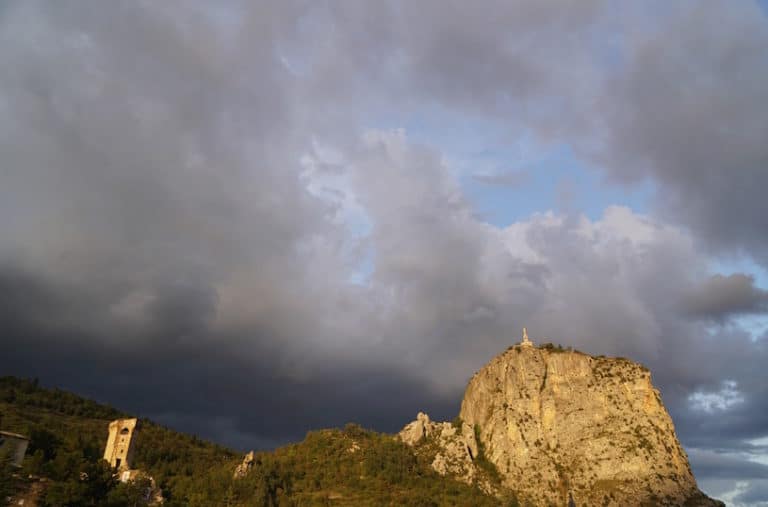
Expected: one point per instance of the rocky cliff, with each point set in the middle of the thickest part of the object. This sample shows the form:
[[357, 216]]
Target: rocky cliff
[[452, 449], [559, 424]]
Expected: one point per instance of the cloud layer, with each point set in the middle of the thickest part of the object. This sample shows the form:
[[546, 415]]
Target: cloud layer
[[203, 220]]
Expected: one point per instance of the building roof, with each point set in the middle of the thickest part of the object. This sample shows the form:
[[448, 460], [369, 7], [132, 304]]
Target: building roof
[[13, 435]]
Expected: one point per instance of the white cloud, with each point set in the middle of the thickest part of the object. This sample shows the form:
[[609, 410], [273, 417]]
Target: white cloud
[[727, 397]]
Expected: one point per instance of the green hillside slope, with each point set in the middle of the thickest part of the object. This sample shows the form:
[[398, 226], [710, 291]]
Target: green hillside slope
[[345, 467]]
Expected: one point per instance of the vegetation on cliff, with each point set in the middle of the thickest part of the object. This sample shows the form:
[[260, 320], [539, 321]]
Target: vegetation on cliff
[[350, 466], [356, 467]]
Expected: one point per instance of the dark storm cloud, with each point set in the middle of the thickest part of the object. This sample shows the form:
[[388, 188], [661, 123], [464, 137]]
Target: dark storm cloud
[[732, 428], [155, 231], [755, 493], [196, 378], [197, 223], [711, 464], [684, 111], [667, 92], [723, 296]]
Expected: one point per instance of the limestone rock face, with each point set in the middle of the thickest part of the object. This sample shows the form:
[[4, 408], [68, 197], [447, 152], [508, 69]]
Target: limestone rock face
[[452, 449], [557, 422], [244, 467], [415, 431]]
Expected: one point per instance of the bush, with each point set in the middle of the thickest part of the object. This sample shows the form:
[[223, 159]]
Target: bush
[[551, 347], [6, 475], [482, 461]]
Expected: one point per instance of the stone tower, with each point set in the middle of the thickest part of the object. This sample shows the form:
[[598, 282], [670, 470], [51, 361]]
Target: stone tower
[[120, 443]]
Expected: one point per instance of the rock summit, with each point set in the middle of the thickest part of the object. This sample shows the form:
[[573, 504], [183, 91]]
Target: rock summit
[[558, 426]]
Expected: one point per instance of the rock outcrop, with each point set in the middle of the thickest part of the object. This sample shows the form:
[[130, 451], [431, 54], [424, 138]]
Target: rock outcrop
[[451, 447], [558, 424], [243, 468]]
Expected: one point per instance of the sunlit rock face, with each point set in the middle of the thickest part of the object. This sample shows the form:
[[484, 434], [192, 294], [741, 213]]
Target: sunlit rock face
[[451, 448], [559, 423]]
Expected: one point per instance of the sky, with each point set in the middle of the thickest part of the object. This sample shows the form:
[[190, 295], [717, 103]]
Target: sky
[[247, 220]]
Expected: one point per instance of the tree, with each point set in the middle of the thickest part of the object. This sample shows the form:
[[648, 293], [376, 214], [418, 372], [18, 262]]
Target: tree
[[6, 475], [77, 480], [130, 494]]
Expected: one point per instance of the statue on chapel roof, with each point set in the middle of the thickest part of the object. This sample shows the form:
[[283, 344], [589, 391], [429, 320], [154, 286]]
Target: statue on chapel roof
[[526, 342]]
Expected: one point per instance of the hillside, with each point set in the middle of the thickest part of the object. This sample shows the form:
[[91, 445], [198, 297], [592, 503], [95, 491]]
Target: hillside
[[538, 426], [345, 467], [68, 434]]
